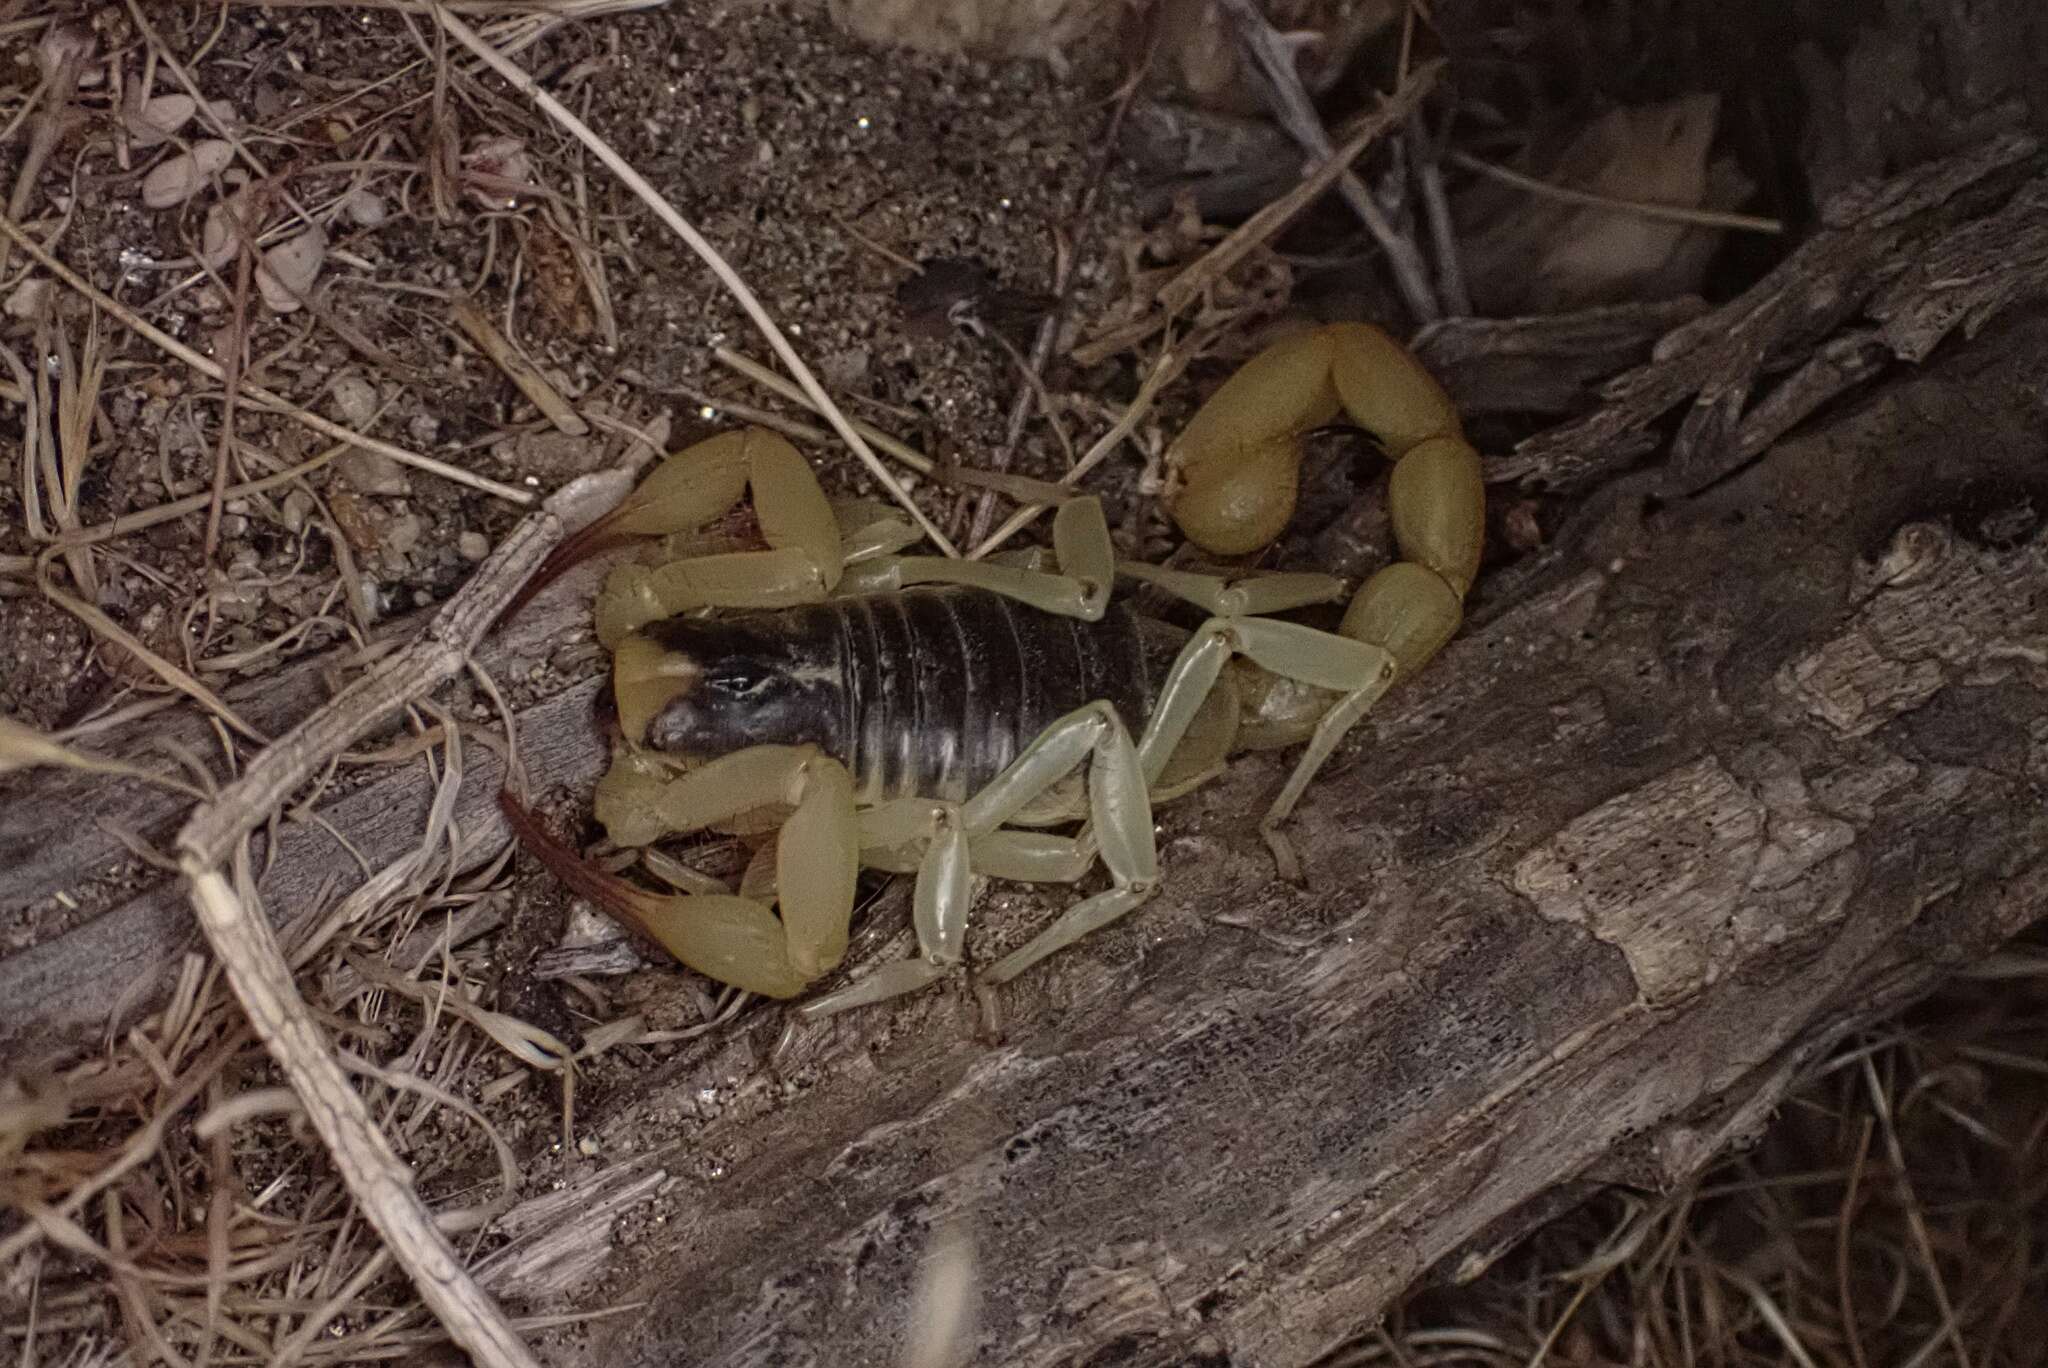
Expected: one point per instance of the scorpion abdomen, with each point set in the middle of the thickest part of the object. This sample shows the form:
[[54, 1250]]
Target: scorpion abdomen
[[929, 692]]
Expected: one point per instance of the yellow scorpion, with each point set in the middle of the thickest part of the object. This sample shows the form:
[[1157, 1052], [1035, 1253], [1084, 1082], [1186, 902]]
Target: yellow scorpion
[[935, 716]]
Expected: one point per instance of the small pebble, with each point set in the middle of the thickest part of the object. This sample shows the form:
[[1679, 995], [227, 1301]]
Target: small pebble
[[846, 369], [473, 546], [402, 533], [588, 1146], [355, 399], [424, 429], [238, 602], [366, 208], [28, 298], [554, 455], [372, 472]]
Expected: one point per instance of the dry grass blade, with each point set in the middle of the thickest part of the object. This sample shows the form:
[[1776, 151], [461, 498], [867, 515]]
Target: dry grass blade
[[710, 255], [477, 325], [1163, 372], [144, 519], [140, 1147], [374, 1173], [253, 394], [525, 1042], [79, 380], [261, 978], [126, 640], [1916, 1220], [769, 380], [1666, 213], [23, 747], [1263, 226], [1275, 58]]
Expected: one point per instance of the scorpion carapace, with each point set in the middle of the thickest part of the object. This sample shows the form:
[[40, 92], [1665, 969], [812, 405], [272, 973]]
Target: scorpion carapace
[[928, 692], [947, 731]]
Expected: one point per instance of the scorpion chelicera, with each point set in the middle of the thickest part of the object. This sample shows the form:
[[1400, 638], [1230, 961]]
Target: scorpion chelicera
[[945, 717]]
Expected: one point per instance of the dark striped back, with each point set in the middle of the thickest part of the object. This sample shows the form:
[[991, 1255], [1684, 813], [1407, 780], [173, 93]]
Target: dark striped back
[[928, 692]]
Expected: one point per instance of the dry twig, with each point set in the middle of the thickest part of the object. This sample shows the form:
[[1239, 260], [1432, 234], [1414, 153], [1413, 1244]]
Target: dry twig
[[1274, 58], [262, 980]]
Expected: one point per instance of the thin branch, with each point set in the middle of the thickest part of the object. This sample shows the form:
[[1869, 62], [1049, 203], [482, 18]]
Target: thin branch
[[242, 937], [1274, 57]]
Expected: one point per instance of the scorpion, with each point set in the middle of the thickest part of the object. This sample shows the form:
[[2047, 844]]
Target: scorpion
[[944, 718]]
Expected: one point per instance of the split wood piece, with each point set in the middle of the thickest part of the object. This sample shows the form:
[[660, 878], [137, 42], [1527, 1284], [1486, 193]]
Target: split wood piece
[[1943, 246], [1551, 364], [109, 918]]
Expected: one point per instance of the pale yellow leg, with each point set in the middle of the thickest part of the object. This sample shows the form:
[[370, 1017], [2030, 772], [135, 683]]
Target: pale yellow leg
[[1361, 670], [1079, 588], [950, 834], [1245, 596]]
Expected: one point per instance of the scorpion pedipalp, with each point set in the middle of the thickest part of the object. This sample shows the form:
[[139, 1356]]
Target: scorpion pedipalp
[[803, 560]]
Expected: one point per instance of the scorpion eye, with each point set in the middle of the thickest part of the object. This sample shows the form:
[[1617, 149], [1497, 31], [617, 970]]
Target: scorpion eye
[[735, 684]]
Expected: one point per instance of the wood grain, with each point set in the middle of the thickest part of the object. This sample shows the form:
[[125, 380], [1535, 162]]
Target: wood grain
[[62, 833]]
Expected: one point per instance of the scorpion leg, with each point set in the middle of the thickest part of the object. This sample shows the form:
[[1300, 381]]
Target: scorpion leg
[[803, 561], [1120, 829], [1360, 670], [1079, 588], [1250, 594]]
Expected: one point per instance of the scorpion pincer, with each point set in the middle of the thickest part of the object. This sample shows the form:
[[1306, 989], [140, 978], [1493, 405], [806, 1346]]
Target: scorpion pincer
[[921, 714]]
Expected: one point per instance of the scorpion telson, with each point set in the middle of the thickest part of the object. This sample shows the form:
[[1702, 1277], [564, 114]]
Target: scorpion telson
[[942, 730]]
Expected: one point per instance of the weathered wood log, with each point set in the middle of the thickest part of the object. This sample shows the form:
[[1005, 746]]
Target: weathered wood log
[[115, 927], [1723, 779], [1748, 771]]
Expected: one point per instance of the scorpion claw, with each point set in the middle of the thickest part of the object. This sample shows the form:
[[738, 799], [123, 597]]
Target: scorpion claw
[[692, 487]]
